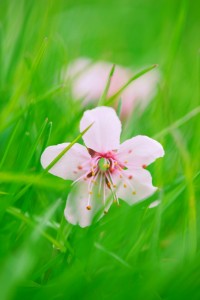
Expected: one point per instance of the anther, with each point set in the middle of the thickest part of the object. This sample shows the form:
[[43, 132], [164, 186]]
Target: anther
[[125, 185], [108, 183], [144, 166], [89, 175], [88, 207], [130, 177], [133, 192], [80, 167]]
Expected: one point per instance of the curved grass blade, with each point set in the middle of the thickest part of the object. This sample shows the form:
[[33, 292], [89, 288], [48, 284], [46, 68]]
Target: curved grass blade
[[119, 107], [105, 92], [66, 149], [34, 179], [16, 212], [112, 99], [32, 151], [48, 134], [178, 123], [40, 54], [22, 192], [9, 144], [24, 258]]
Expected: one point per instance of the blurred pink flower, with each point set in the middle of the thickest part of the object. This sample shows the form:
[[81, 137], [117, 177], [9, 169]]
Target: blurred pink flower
[[104, 170], [89, 80]]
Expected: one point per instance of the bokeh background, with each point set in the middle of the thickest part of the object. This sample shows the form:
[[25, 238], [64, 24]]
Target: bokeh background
[[134, 252]]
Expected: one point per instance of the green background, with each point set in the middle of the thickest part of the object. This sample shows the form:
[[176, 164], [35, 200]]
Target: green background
[[134, 252]]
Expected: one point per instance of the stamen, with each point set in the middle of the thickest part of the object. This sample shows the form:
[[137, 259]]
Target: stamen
[[104, 194], [84, 176], [100, 184], [90, 187], [111, 187], [128, 183], [89, 175], [108, 182]]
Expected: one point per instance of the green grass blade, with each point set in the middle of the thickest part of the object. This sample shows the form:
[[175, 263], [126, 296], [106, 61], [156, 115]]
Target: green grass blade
[[47, 136], [113, 98], [105, 92], [22, 192], [34, 147], [119, 107], [13, 135], [66, 149], [178, 123], [40, 54], [31, 179], [16, 212]]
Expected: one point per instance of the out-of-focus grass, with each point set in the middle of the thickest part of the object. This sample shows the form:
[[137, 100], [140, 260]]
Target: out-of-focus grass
[[134, 252]]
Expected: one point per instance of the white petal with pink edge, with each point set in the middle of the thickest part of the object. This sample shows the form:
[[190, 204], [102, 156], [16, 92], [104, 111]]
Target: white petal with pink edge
[[73, 164], [104, 135], [79, 199], [139, 151], [134, 185]]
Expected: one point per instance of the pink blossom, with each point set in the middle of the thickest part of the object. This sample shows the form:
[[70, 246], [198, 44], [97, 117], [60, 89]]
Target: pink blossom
[[104, 171], [89, 80]]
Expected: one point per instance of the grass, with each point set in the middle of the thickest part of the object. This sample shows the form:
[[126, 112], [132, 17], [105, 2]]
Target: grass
[[133, 252]]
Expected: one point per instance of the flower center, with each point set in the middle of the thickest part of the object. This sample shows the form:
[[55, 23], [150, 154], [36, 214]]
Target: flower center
[[103, 164]]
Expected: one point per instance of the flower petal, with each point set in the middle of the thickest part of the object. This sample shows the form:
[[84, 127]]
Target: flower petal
[[136, 185], [73, 164], [104, 135], [76, 211], [139, 151]]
